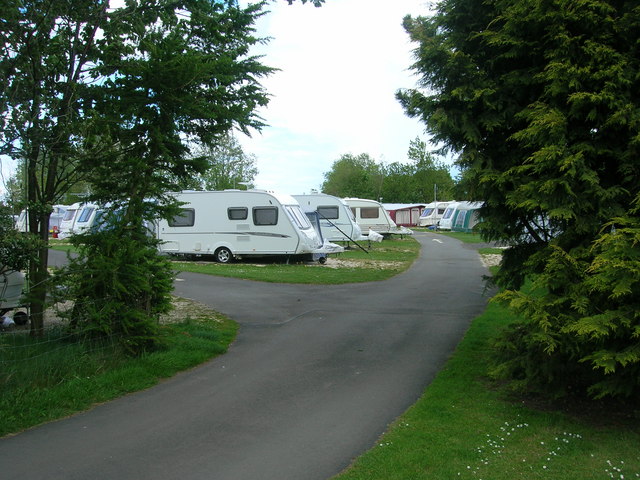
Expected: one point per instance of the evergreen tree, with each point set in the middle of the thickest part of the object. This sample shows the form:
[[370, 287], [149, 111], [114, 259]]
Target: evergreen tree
[[540, 102], [113, 96]]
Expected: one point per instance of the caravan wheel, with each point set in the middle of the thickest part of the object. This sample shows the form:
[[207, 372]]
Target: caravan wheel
[[21, 318], [223, 255]]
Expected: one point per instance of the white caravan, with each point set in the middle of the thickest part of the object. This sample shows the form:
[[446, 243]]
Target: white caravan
[[237, 223], [11, 285], [66, 224], [55, 219], [447, 218], [336, 218], [432, 213], [371, 215], [85, 217]]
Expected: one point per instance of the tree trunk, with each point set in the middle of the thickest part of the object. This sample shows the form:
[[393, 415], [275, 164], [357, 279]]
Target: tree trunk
[[38, 276]]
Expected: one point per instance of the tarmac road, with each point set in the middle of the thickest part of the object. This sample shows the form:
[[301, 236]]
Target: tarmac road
[[316, 375]]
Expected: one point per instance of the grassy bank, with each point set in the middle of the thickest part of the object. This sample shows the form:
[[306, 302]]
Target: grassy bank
[[381, 261], [49, 378], [462, 428]]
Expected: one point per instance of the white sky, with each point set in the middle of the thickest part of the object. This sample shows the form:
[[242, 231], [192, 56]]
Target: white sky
[[341, 65]]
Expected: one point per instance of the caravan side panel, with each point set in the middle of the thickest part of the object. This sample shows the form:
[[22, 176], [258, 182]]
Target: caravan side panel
[[245, 222]]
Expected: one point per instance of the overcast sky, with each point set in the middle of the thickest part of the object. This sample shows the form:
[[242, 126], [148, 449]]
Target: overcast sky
[[341, 65]]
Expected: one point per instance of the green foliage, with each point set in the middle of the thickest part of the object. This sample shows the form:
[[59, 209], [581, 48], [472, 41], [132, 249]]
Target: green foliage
[[16, 248], [582, 333], [538, 100], [361, 177], [354, 176], [47, 379], [115, 96], [227, 167], [171, 79], [119, 285]]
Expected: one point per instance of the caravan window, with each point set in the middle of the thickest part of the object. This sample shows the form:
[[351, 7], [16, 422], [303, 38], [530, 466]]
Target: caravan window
[[329, 212], [370, 212], [237, 213], [85, 214], [265, 215], [427, 212], [186, 218], [460, 218], [299, 218], [69, 214], [448, 213]]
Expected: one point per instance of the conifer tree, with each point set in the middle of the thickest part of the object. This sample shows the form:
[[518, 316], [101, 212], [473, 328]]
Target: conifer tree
[[540, 102]]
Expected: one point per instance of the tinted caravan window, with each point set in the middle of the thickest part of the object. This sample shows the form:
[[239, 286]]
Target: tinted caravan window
[[237, 213], [85, 214], [330, 212], [369, 212], [186, 218], [265, 215]]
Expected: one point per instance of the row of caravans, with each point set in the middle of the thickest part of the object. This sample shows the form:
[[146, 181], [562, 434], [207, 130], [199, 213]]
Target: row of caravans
[[66, 219], [460, 216], [451, 215], [433, 213], [237, 223], [58, 213]]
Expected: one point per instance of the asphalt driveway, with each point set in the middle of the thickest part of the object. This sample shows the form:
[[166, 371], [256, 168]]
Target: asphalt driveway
[[315, 376]]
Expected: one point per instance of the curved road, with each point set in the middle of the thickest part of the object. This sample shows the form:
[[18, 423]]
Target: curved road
[[315, 376]]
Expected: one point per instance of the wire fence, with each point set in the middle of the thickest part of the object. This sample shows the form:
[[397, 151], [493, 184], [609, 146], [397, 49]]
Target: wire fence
[[54, 357], [59, 351]]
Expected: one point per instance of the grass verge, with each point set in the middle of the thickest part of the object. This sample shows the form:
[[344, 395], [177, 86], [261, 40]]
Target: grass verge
[[462, 428], [382, 261], [462, 236], [47, 379]]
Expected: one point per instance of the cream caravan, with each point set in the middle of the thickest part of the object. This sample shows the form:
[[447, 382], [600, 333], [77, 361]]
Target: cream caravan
[[371, 215], [336, 218], [432, 213], [231, 224]]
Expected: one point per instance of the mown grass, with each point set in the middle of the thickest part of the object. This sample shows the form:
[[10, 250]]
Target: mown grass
[[464, 428], [50, 378], [381, 261]]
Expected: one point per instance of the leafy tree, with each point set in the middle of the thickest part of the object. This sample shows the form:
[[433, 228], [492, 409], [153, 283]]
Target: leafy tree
[[227, 166], [316, 3], [360, 176], [185, 76], [48, 48], [119, 285], [15, 195], [16, 248], [540, 101], [113, 96], [431, 177], [354, 176]]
